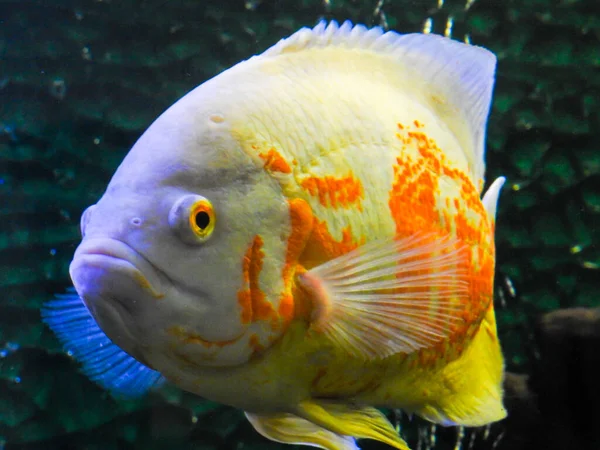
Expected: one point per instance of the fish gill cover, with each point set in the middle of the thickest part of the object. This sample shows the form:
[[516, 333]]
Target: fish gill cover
[[80, 81]]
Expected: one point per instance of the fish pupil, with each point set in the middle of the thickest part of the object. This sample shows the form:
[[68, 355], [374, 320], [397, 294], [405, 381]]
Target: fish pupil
[[202, 219]]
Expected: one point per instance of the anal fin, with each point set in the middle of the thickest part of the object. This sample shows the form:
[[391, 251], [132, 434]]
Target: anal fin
[[291, 429], [362, 422]]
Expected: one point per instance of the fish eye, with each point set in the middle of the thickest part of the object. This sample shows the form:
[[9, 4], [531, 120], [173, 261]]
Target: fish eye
[[202, 218], [192, 218]]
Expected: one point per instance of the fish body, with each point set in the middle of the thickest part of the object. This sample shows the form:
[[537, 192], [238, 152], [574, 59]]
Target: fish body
[[303, 237]]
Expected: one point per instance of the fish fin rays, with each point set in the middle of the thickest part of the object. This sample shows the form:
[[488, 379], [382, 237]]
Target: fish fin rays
[[103, 362], [453, 78], [291, 429], [389, 296], [361, 422], [472, 394], [490, 199]]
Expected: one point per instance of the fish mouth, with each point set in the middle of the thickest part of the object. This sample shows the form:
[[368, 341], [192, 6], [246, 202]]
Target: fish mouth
[[106, 264]]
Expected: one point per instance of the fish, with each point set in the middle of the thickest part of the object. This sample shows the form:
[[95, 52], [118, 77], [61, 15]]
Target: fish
[[304, 237]]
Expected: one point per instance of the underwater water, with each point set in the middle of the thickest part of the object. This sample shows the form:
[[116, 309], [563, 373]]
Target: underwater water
[[80, 80]]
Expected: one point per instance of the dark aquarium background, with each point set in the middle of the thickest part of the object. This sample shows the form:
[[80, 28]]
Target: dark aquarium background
[[81, 79]]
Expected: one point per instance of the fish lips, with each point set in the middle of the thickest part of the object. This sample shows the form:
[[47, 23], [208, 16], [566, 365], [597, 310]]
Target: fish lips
[[110, 270]]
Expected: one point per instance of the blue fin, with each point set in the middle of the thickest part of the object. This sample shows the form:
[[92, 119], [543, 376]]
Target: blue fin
[[103, 362]]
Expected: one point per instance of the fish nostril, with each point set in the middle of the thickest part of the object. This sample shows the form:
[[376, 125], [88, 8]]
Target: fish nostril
[[136, 221]]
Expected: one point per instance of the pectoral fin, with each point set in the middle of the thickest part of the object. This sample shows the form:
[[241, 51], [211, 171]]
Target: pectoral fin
[[472, 385], [291, 429], [358, 421], [390, 296]]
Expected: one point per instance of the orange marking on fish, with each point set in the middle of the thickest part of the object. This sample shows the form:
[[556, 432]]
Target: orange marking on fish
[[301, 221], [286, 307], [245, 295], [252, 300], [145, 284], [322, 246], [335, 192], [274, 162], [413, 205], [412, 199], [187, 337], [418, 124]]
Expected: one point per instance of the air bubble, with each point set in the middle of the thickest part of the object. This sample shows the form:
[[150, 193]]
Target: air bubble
[[58, 88]]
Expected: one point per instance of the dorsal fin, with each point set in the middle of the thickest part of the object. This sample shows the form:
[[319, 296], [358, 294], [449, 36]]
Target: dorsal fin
[[456, 79], [490, 199]]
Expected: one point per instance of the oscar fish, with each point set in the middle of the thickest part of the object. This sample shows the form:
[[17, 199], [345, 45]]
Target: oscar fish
[[304, 237]]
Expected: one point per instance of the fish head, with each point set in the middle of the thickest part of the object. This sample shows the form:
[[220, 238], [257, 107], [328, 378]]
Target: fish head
[[181, 258]]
